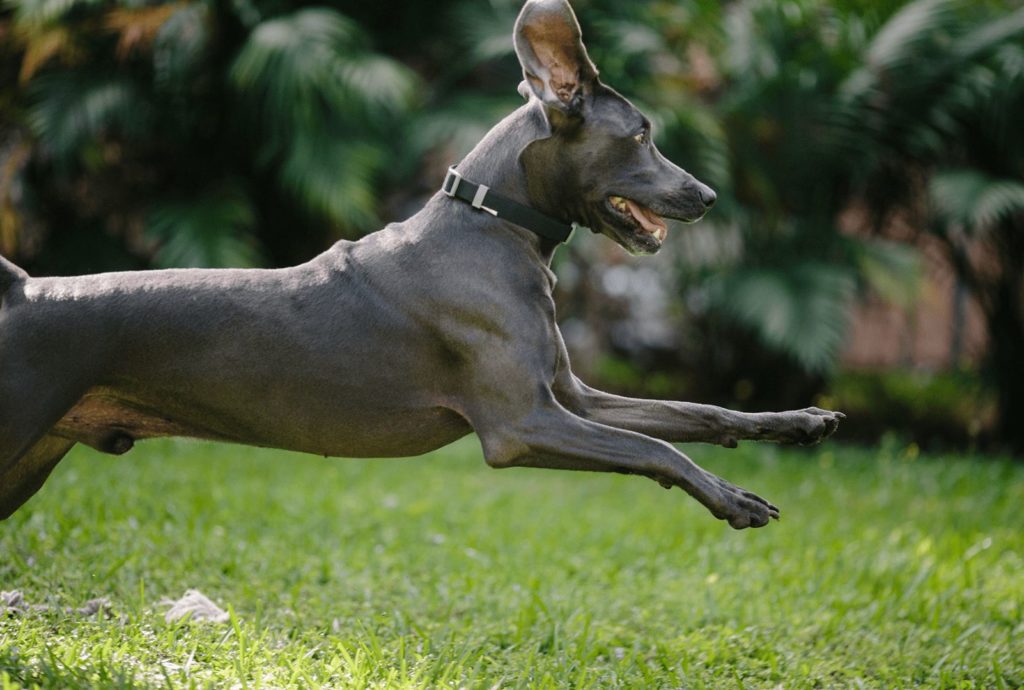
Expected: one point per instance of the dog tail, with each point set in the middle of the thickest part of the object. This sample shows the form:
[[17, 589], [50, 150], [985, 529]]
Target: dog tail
[[9, 275]]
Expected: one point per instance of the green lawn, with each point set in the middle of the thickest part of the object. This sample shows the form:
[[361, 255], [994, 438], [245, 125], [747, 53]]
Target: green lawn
[[887, 570]]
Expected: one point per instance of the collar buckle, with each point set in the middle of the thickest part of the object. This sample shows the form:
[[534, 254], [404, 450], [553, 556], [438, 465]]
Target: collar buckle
[[450, 187], [451, 182]]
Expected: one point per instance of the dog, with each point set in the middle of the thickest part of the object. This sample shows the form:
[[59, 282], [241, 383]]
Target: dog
[[403, 341]]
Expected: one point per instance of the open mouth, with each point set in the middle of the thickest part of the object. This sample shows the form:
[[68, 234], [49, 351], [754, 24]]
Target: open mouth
[[642, 219]]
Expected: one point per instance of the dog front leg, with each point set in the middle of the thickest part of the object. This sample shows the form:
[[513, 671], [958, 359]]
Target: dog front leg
[[683, 422], [554, 438]]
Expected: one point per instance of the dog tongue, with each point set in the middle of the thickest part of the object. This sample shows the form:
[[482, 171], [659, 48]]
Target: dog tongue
[[648, 219]]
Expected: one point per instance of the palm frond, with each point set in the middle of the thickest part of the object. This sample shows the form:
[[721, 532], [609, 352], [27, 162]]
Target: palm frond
[[748, 54], [180, 47], [630, 52], [287, 66], [936, 90], [381, 82], [137, 27], [36, 13], [892, 269], [801, 310], [314, 65], [699, 141], [909, 33], [974, 200], [209, 231], [905, 58], [990, 34], [43, 44], [334, 177], [313, 81], [483, 28], [72, 109], [1010, 60], [986, 89], [459, 123]]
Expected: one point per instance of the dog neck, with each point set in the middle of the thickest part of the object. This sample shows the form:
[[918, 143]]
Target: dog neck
[[495, 162]]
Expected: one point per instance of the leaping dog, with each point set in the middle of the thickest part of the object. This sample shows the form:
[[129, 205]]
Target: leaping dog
[[403, 341]]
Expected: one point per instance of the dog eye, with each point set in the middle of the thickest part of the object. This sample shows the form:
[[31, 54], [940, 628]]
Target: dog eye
[[641, 137]]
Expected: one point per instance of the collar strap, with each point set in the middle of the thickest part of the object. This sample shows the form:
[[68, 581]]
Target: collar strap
[[483, 198]]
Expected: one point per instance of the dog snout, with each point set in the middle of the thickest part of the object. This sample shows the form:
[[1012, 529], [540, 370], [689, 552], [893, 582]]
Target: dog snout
[[707, 196]]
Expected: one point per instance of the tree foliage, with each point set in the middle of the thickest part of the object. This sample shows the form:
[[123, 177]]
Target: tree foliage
[[191, 127], [934, 118]]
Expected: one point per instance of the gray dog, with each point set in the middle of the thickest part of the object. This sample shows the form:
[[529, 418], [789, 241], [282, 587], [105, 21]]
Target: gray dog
[[401, 342]]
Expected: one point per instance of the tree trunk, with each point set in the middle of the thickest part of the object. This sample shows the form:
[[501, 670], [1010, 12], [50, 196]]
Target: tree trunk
[[1006, 359], [1005, 313]]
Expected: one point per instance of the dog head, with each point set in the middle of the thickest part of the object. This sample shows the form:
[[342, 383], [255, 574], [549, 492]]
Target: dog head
[[598, 165]]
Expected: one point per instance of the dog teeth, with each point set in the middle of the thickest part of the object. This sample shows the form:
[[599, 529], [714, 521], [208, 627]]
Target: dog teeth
[[644, 219]]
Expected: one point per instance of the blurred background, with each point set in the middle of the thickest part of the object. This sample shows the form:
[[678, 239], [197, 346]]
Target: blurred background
[[866, 253]]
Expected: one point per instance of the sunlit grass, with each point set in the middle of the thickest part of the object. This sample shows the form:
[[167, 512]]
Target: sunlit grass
[[887, 570]]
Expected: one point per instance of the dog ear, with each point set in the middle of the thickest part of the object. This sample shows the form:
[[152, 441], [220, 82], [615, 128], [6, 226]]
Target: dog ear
[[550, 49]]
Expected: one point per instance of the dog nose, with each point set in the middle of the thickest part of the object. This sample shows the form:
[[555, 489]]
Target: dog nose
[[708, 196]]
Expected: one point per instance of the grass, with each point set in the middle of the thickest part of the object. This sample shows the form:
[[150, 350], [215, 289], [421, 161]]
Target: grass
[[887, 570]]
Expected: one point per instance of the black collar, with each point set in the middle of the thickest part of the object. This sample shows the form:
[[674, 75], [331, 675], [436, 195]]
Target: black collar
[[483, 198]]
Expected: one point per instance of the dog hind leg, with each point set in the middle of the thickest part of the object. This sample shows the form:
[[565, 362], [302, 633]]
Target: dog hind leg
[[28, 449], [35, 392], [26, 475], [34, 395]]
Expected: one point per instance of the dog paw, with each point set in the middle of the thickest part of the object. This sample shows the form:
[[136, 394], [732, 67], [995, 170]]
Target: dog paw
[[741, 508], [805, 427]]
